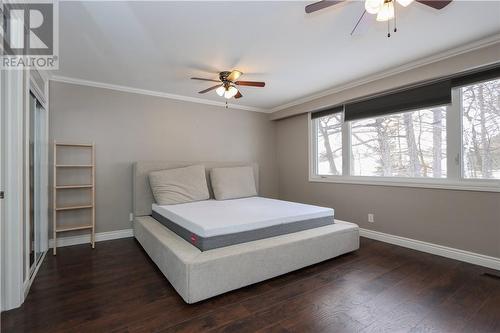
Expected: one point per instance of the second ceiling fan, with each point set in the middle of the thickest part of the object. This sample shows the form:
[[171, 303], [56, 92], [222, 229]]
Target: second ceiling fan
[[228, 80], [383, 8]]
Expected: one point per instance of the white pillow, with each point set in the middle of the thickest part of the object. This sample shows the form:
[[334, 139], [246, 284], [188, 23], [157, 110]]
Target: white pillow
[[174, 186], [232, 183]]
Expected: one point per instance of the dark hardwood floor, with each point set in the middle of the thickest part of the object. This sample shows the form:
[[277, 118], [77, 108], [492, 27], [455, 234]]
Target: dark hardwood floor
[[380, 288]]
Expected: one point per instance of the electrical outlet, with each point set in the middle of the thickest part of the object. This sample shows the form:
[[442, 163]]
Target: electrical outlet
[[131, 217], [371, 218]]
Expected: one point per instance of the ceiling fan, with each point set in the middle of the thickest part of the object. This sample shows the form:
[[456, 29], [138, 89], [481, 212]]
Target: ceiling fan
[[228, 80], [383, 8]]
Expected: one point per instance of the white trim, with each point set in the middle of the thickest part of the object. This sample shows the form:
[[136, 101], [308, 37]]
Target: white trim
[[439, 250], [132, 90], [85, 239], [397, 70], [29, 282], [12, 235], [465, 185]]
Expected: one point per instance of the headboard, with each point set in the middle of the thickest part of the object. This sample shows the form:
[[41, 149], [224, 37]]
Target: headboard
[[143, 197]]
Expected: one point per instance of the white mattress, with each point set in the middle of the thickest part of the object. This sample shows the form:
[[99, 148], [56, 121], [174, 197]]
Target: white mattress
[[220, 217]]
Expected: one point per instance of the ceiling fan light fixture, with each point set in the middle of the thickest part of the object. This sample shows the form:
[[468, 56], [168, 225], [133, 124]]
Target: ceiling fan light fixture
[[386, 12], [230, 92], [235, 75], [404, 3], [220, 91], [373, 6]]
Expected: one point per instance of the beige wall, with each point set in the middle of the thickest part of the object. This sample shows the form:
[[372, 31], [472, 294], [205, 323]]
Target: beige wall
[[128, 127], [464, 220]]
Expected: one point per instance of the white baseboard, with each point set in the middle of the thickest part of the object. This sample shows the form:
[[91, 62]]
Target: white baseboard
[[440, 250], [99, 237]]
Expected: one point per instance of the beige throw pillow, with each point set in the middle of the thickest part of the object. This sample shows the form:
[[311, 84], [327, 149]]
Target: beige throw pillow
[[232, 183], [175, 186]]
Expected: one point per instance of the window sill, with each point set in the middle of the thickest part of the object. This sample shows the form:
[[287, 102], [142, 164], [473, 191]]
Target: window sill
[[466, 185]]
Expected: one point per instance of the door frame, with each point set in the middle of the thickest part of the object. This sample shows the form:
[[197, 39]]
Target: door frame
[[12, 224], [12, 254]]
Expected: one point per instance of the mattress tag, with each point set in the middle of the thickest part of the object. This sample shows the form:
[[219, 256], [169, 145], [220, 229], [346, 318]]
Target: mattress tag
[[194, 238]]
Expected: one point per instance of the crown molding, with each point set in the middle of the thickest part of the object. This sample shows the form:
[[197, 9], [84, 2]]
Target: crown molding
[[95, 84], [485, 42]]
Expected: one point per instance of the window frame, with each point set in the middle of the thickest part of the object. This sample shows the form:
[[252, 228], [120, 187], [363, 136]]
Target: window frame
[[453, 181]]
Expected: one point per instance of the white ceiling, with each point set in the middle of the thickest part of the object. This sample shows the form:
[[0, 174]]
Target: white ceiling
[[158, 46]]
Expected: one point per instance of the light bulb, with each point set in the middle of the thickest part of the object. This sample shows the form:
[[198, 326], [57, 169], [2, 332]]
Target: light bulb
[[404, 3], [220, 91], [373, 6], [386, 12], [230, 92]]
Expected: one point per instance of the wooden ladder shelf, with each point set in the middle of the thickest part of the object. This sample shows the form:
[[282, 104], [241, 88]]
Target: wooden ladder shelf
[[58, 188]]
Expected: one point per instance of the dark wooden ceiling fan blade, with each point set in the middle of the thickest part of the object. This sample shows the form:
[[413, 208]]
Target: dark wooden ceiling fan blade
[[250, 83], [238, 95], [321, 4], [202, 79], [436, 4], [208, 89]]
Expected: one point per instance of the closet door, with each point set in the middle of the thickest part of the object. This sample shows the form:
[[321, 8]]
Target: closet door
[[30, 197], [40, 180], [36, 222]]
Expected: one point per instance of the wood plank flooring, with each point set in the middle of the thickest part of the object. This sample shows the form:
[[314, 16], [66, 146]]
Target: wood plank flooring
[[379, 288]]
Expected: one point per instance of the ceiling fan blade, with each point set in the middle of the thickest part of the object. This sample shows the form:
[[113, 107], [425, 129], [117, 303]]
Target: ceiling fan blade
[[238, 95], [235, 75], [202, 79], [250, 83], [321, 4], [436, 4], [208, 89]]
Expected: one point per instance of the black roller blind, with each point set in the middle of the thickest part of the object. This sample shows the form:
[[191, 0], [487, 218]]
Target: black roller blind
[[327, 112], [420, 96], [485, 74], [428, 95]]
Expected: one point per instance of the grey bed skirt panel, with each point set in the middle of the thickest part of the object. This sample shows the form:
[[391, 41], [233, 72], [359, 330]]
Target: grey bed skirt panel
[[198, 275], [214, 242]]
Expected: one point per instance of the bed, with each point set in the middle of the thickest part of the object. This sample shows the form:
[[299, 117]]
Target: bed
[[211, 247], [211, 224]]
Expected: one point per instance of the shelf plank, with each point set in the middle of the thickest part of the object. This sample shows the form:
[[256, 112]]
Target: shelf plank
[[63, 187], [74, 207], [75, 227], [83, 145], [75, 166]]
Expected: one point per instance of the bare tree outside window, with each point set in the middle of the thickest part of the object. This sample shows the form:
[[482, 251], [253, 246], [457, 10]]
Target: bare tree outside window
[[329, 144], [411, 144], [481, 130]]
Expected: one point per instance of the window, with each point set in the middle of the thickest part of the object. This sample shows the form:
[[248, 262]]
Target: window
[[481, 130], [411, 144], [449, 146]]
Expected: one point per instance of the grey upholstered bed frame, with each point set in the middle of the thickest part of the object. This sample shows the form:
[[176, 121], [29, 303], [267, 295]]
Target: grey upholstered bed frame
[[198, 275]]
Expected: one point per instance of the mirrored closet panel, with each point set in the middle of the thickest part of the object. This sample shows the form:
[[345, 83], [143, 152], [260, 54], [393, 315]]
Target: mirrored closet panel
[[36, 195]]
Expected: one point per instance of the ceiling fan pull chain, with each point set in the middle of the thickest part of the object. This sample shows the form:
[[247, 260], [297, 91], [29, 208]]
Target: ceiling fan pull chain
[[388, 28], [395, 28], [226, 103]]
